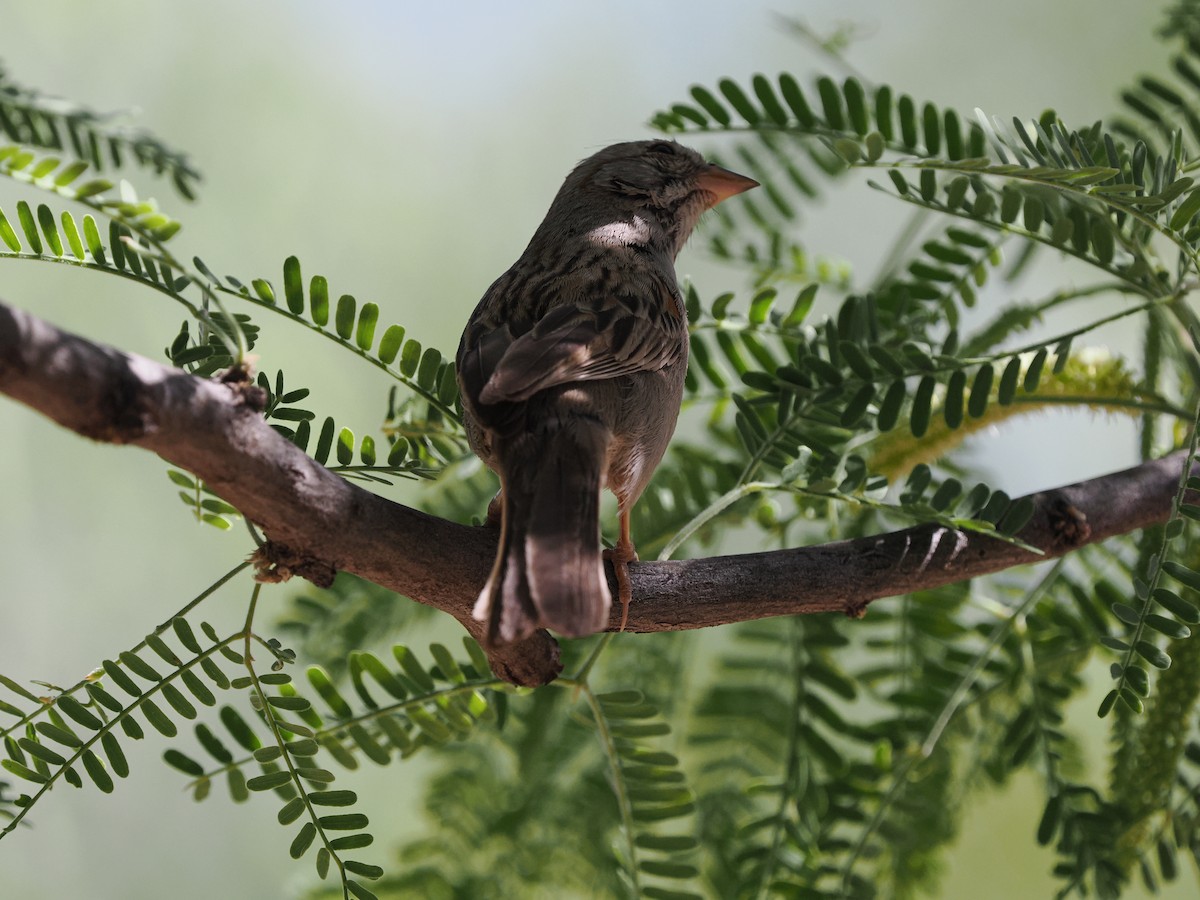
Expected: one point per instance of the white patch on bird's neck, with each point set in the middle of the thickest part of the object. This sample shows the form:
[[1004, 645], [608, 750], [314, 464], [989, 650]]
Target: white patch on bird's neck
[[622, 234]]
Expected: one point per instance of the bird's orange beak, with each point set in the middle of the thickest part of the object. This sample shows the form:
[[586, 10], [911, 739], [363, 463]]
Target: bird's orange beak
[[723, 184]]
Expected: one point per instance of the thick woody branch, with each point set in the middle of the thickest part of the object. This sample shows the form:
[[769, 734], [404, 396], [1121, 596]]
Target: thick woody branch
[[318, 523]]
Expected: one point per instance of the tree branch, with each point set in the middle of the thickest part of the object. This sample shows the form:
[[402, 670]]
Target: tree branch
[[319, 523]]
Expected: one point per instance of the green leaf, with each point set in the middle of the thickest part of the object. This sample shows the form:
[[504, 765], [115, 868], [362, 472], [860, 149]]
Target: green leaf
[[328, 692], [303, 839], [212, 744], [18, 689], [293, 285], [324, 441], [1008, 382], [931, 126], [59, 735], [412, 667], [214, 673], [23, 771], [770, 103], [1017, 516], [290, 811], [1131, 700], [410, 358], [1051, 817], [352, 841], [1126, 613], [1177, 605], [857, 405], [666, 869], [643, 814], [91, 188], [739, 101], [268, 781], [69, 173], [1169, 627], [77, 711], [890, 406], [922, 406], [450, 669], [41, 751], [389, 346], [364, 869], [72, 235], [856, 105], [831, 103], [29, 227], [49, 229], [263, 289], [289, 703], [91, 235], [947, 492], [183, 631], [1033, 374], [138, 666], [344, 317], [980, 391], [183, 763], [1138, 678], [711, 105], [674, 843], [1106, 704], [794, 97], [1186, 210], [333, 798], [1182, 574], [848, 149], [345, 447], [1152, 654], [427, 368], [344, 822], [8, 235], [953, 402], [163, 651], [364, 333], [178, 701], [158, 719], [760, 305]]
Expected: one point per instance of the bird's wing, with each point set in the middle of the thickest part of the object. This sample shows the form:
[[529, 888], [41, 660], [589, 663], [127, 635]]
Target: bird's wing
[[581, 342]]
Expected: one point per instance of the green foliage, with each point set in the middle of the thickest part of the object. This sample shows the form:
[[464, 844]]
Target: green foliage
[[33, 120], [799, 757], [285, 746]]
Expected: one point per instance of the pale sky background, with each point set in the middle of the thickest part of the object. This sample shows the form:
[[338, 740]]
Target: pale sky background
[[407, 151]]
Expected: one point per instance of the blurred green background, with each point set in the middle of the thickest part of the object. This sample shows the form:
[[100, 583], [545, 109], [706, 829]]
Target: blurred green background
[[407, 151]]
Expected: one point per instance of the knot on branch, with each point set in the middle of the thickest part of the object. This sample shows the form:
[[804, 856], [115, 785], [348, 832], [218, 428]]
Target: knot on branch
[[1068, 523], [275, 563], [529, 663], [240, 377]]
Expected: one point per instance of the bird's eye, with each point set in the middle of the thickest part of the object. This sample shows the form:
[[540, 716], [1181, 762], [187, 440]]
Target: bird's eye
[[662, 147]]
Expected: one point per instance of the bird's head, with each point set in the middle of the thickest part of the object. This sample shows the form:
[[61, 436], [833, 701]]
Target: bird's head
[[647, 192]]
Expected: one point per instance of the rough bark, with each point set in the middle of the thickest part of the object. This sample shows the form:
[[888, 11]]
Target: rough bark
[[318, 523]]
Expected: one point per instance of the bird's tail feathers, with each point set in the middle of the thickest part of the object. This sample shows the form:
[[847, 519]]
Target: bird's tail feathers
[[549, 572]]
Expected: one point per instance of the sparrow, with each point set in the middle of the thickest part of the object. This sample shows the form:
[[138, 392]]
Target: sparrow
[[571, 372]]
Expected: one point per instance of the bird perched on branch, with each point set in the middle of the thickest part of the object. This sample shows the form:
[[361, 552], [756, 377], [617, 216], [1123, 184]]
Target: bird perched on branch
[[571, 370]]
